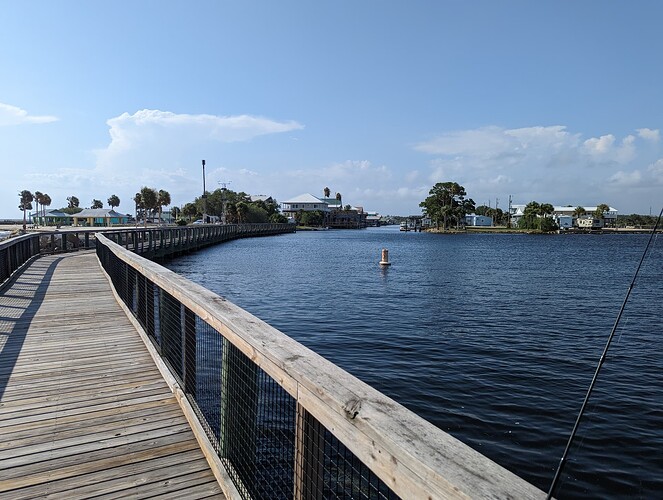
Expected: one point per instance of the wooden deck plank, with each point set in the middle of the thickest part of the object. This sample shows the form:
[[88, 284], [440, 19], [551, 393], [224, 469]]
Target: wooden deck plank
[[83, 409], [117, 479]]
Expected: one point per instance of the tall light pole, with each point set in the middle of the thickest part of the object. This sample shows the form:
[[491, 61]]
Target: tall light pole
[[204, 196]]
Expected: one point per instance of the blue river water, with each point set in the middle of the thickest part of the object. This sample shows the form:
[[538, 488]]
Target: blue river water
[[494, 338]]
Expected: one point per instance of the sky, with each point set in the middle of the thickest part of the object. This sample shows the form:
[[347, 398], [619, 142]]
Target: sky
[[554, 101]]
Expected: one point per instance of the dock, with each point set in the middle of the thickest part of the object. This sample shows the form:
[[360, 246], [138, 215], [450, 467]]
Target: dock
[[84, 411]]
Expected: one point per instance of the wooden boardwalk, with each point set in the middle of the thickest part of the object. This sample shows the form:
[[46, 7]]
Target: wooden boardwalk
[[84, 412]]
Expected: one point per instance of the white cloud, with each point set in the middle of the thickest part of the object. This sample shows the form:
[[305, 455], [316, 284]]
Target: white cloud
[[626, 179], [545, 163], [601, 145], [150, 125], [163, 150], [655, 170], [12, 115], [648, 134]]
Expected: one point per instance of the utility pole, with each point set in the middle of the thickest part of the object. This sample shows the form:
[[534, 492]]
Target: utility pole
[[508, 221], [204, 196], [224, 188]]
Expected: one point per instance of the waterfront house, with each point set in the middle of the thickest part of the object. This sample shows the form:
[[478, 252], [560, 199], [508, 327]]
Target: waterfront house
[[609, 217], [99, 217], [52, 218], [304, 202], [478, 220]]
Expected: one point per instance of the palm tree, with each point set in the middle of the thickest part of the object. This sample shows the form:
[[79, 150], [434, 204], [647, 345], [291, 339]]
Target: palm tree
[[25, 204], [163, 200], [242, 209], [326, 192], [38, 198], [73, 202], [113, 201], [189, 210], [96, 204], [149, 199], [45, 202], [338, 197], [138, 202], [601, 210]]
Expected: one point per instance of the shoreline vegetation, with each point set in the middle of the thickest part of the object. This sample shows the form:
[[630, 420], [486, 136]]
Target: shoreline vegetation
[[506, 230]]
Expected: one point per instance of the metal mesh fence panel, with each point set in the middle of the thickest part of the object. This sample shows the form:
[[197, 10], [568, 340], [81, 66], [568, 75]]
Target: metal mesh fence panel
[[327, 469], [257, 434]]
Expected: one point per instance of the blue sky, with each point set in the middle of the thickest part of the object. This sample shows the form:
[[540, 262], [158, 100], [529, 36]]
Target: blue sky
[[553, 101]]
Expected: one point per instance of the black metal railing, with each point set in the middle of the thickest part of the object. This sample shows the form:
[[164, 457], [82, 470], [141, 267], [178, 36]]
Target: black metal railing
[[165, 241], [284, 422], [15, 252], [270, 446]]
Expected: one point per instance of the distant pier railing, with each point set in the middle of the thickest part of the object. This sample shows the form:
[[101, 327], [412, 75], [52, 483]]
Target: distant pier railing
[[15, 252], [284, 422], [167, 241]]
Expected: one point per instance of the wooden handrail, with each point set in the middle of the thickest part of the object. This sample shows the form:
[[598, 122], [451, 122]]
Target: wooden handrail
[[410, 455]]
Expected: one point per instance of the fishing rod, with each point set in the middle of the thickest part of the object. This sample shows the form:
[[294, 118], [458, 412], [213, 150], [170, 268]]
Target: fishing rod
[[562, 461]]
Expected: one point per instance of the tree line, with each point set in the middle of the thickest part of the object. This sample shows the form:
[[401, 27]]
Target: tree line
[[447, 205], [233, 207]]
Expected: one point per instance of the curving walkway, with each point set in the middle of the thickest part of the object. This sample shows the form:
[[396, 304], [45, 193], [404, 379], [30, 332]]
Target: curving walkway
[[84, 412]]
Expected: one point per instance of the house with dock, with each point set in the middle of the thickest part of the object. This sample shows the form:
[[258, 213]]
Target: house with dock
[[334, 215]]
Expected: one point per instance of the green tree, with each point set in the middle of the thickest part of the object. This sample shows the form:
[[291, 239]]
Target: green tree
[[113, 201], [601, 210], [45, 202], [529, 220], [138, 204], [578, 212], [189, 210], [163, 200], [149, 201], [536, 216], [25, 204], [97, 204], [72, 202], [278, 219], [443, 201], [339, 198], [39, 196], [483, 210], [242, 209], [546, 209], [314, 218], [326, 192]]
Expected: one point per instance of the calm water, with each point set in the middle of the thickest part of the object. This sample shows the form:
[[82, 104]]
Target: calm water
[[493, 338]]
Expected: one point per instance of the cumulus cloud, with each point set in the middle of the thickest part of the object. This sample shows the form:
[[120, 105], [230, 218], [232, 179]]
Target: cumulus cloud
[[150, 125], [648, 134], [12, 115], [544, 163]]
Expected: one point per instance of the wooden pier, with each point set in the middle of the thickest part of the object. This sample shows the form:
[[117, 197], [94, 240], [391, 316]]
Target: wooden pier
[[83, 409], [120, 378]]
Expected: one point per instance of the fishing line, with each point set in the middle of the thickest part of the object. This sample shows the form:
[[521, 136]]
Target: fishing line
[[562, 461]]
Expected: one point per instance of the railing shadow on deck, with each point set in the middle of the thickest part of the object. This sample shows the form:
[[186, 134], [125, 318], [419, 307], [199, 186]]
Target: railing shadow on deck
[[34, 279]]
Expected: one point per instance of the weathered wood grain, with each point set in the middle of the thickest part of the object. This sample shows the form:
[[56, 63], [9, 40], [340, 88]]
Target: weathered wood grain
[[83, 409]]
